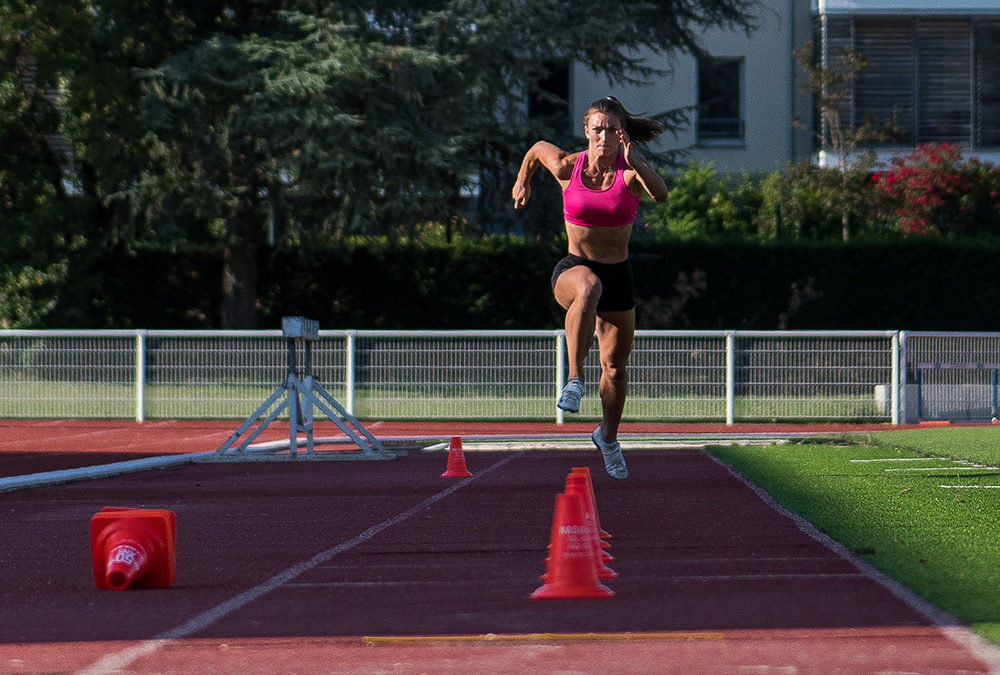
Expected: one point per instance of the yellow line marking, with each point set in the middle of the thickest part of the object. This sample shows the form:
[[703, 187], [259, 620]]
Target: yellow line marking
[[375, 640]]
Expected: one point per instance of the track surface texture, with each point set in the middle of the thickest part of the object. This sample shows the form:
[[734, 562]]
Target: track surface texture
[[386, 567]]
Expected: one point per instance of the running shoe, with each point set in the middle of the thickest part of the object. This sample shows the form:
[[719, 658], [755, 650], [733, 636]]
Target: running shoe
[[614, 461], [569, 399]]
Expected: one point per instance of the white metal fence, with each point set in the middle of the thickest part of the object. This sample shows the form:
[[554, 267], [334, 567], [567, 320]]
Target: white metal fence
[[730, 376]]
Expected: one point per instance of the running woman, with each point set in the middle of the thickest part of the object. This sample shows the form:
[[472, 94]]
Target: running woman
[[601, 189]]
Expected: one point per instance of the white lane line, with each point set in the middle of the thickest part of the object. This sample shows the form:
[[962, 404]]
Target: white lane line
[[971, 467], [121, 660], [573, 444], [971, 487], [899, 459]]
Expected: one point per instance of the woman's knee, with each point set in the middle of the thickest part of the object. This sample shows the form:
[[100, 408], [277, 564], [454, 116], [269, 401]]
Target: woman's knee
[[583, 288], [614, 371]]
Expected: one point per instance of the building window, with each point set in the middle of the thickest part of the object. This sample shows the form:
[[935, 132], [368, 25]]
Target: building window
[[937, 80], [719, 96], [986, 112], [883, 91]]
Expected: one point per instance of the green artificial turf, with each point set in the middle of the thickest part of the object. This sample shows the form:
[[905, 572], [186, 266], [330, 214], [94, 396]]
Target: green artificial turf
[[941, 542]]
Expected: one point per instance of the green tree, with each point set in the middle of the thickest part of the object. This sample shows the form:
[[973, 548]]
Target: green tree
[[375, 118], [70, 130], [832, 83], [34, 253], [220, 123], [806, 201], [702, 203]]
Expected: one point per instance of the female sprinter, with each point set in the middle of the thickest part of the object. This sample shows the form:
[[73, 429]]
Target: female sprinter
[[601, 188]]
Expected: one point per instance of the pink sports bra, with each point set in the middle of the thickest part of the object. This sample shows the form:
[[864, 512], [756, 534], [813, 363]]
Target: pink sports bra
[[614, 207]]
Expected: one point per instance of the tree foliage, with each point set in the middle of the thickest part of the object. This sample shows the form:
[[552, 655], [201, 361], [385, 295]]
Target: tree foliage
[[933, 191], [832, 83], [220, 123]]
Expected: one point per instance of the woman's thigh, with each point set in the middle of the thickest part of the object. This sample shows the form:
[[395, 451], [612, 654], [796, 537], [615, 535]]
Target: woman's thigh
[[574, 283]]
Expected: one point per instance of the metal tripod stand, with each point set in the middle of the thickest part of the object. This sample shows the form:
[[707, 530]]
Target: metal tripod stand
[[301, 393]]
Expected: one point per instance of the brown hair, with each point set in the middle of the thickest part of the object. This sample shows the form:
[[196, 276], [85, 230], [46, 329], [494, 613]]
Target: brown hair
[[639, 129]]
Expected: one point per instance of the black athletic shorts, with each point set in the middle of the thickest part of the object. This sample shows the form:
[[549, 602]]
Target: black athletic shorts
[[618, 289]]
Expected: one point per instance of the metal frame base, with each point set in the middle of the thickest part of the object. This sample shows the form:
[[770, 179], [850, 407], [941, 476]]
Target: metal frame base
[[301, 395]]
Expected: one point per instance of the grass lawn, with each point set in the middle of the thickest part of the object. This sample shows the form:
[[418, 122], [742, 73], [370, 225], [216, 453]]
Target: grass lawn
[[914, 503]]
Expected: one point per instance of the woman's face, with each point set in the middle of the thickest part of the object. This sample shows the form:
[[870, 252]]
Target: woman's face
[[601, 130]]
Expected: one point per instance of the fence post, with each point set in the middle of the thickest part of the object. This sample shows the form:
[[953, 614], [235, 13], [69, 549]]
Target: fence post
[[560, 369], [349, 372], [140, 375], [902, 378], [994, 410], [730, 378], [894, 393]]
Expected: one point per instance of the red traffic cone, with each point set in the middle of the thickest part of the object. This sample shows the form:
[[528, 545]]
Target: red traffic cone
[[577, 484], [133, 548], [572, 567], [456, 460], [585, 471]]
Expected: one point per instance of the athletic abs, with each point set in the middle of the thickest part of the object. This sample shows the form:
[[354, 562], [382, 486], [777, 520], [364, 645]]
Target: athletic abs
[[600, 244]]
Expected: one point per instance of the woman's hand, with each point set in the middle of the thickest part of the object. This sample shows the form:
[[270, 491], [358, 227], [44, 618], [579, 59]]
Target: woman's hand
[[521, 194], [542, 153], [648, 178], [629, 150]]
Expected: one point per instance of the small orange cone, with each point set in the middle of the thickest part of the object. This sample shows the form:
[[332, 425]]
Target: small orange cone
[[571, 566], [577, 484], [133, 548], [585, 471], [456, 460]]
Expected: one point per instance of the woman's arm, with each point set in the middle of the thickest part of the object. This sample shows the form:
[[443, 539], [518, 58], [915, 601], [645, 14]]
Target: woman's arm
[[542, 153], [644, 173]]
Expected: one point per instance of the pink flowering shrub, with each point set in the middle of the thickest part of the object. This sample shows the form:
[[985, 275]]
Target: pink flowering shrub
[[932, 191]]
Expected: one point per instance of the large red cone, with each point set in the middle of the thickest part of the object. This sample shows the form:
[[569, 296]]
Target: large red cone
[[456, 460], [133, 548], [571, 566], [585, 471], [577, 484]]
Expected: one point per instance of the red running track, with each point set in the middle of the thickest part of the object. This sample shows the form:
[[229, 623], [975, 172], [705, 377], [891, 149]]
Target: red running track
[[361, 567]]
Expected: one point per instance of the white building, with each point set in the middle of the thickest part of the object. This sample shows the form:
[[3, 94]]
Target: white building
[[932, 65]]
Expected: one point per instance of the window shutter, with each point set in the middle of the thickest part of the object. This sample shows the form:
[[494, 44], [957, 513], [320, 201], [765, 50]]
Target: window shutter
[[987, 96], [937, 78], [837, 39], [944, 53], [885, 88]]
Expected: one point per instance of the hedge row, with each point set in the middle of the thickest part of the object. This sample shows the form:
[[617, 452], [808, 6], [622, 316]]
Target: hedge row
[[504, 284]]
